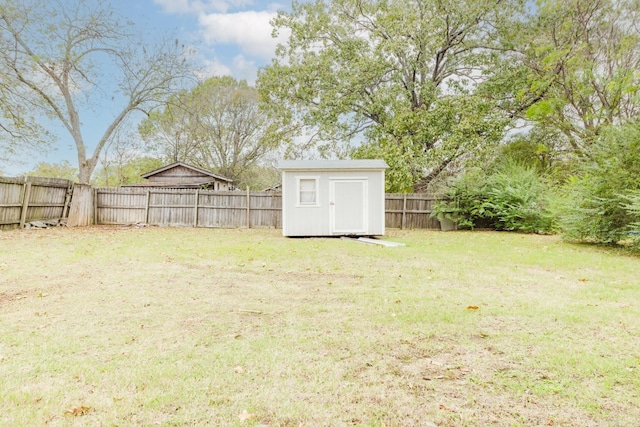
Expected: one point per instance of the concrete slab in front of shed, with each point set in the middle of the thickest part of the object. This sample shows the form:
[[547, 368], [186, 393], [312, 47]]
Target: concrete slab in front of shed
[[370, 241]]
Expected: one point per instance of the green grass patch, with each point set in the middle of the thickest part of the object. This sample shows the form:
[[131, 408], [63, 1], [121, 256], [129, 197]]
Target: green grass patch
[[162, 326]]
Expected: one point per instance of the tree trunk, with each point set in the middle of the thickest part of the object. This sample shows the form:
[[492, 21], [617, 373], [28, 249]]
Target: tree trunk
[[81, 211]]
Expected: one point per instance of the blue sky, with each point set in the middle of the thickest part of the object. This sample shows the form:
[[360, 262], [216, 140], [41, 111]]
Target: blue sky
[[231, 37]]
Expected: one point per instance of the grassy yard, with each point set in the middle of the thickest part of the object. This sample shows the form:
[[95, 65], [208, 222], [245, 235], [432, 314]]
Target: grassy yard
[[150, 326]]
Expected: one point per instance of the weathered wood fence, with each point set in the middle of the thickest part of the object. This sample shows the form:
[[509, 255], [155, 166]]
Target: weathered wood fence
[[410, 211], [192, 208], [27, 199], [231, 209], [23, 200]]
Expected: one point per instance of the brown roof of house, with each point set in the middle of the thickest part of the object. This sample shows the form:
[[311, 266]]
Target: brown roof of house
[[188, 166]]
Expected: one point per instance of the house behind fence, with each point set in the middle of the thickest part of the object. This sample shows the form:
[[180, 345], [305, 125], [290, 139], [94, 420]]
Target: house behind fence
[[183, 175]]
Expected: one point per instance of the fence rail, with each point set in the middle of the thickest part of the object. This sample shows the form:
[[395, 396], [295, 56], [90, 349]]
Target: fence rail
[[27, 199]]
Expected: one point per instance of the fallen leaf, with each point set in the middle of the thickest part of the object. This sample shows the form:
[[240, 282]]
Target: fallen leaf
[[245, 416], [472, 307], [78, 411]]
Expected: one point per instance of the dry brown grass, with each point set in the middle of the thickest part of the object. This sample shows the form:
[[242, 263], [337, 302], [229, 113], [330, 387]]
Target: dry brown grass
[[126, 326]]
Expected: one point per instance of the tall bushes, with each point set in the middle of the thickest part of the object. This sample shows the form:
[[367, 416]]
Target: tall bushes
[[601, 204], [598, 203], [511, 197]]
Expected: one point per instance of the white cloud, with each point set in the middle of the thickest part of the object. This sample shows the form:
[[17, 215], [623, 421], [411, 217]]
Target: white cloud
[[274, 7], [215, 67], [249, 30], [244, 69], [240, 68], [201, 6], [233, 41], [180, 6]]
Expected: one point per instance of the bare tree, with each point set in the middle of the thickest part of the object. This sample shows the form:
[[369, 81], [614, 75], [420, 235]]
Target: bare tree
[[61, 59]]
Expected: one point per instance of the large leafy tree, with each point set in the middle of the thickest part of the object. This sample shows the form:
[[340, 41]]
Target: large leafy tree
[[401, 78], [582, 59], [64, 61], [217, 125]]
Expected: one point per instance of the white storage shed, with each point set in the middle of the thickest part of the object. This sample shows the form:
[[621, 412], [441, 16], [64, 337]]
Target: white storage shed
[[333, 197]]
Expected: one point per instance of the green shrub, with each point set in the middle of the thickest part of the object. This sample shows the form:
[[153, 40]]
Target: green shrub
[[513, 197], [601, 203], [516, 199], [633, 210], [463, 201]]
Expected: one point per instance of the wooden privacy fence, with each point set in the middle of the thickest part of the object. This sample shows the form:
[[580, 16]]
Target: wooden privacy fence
[[23, 200], [193, 208], [403, 210], [27, 199], [231, 209]]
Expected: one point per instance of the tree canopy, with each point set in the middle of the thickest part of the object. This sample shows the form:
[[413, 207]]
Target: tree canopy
[[402, 79], [582, 58], [63, 170]]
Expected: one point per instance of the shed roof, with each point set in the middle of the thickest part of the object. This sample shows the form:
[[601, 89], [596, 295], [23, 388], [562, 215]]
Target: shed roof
[[331, 164], [185, 165]]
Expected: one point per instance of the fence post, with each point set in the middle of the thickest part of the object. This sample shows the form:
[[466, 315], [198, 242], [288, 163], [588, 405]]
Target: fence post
[[195, 209], [248, 208], [67, 201], [146, 207], [26, 195], [80, 213], [95, 206], [404, 211]]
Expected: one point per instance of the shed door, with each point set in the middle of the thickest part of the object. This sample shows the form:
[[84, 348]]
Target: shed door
[[348, 204]]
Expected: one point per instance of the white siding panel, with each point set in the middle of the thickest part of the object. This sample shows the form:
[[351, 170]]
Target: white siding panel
[[316, 220]]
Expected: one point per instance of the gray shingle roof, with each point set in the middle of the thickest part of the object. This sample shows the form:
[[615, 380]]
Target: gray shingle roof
[[331, 164]]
